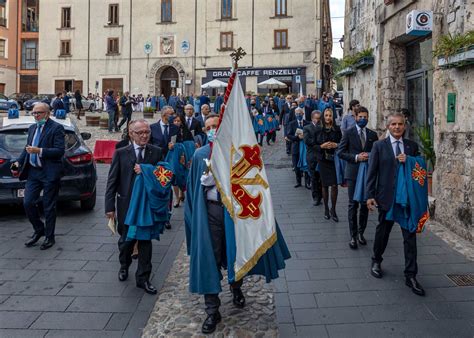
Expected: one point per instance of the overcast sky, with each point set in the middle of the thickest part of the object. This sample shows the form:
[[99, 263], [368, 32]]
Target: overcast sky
[[337, 23]]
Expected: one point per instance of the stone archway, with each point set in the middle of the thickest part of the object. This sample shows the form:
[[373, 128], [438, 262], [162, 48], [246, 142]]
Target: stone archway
[[154, 75]]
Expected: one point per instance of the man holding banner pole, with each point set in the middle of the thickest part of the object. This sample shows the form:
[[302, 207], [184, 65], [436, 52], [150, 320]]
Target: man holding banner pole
[[229, 215]]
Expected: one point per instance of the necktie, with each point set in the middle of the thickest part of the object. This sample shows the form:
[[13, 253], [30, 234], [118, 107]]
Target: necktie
[[398, 150], [140, 154], [189, 122], [166, 134], [362, 138], [34, 157]]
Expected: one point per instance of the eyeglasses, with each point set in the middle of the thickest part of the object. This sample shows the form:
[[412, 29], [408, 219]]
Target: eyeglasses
[[142, 133], [36, 113], [211, 127]]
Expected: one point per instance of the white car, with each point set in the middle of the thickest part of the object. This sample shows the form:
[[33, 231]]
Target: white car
[[86, 103]]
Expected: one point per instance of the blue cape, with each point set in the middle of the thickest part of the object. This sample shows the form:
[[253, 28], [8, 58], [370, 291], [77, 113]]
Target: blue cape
[[197, 105], [148, 210], [162, 102], [360, 189], [153, 102], [177, 160], [172, 101], [217, 104], [271, 123], [340, 165], [410, 205], [204, 277], [302, 162], [259, 124]]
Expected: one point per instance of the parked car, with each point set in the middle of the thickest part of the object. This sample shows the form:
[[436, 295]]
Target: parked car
[[46, 98], [21, 98], [80, 173], [86, 103], [6, 103]]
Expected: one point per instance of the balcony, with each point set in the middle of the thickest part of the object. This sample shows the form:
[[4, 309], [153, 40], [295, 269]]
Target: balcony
[[3, 22], [30, 26]]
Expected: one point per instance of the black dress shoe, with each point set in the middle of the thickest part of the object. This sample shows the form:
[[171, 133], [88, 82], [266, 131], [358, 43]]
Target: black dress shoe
[[123, 275], [412, 283], [238, 297], [353, 243], [211, 322], [317, 202], [334, 216], [148, 287], [376, 270], [168, 225], [297, 185], [48, 243], [361, 239], [326, 214], [35, 238]]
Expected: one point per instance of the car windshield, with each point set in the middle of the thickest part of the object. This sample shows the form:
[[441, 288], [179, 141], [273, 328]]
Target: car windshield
[[14, 141], [3, 97]]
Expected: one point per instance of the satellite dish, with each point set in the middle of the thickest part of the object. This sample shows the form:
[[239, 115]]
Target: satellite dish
[[148, 47]]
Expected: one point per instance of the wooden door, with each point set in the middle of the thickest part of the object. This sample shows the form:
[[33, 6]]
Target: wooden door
[[58, 86], [77, 85], [29, 84], [114, 84], [2, 88]]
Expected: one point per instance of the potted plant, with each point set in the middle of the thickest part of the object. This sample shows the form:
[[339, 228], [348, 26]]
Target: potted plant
[[347, 66], [455, 50], [148, 112], [365, 59], [104, 121], [427, 149]]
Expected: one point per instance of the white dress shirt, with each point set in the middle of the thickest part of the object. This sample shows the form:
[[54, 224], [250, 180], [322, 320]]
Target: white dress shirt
[[393, 140], [163, 127], [137, 149]]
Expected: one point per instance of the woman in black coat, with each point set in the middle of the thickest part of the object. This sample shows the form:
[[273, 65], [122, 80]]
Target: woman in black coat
[[326, 144], [79, 107]]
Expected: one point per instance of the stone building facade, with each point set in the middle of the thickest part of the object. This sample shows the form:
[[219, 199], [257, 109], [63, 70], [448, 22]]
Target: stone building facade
[[406, 75], [8, 40], [155, 47]]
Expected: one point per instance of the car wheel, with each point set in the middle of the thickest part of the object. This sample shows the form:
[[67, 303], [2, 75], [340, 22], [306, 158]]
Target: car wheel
[[89, 204]]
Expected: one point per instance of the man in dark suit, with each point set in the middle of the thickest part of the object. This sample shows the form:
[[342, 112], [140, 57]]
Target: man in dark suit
[[284, 120], [310, 134], [40, 164], [163, 130], [193, 123], [295, 136], [205, 110], [384, 160], [120, 181], [354, 147]]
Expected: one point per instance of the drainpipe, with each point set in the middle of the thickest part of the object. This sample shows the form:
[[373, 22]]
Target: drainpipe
[[18, 52], [130, 53], [195, 46], [88, 44]]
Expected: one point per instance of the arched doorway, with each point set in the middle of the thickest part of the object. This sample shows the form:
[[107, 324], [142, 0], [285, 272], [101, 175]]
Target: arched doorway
[[169, 81]]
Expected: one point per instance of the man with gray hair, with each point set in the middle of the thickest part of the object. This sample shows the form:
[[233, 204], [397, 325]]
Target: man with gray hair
[[295, 136], [162, 131], [193, 124], [385, 157]]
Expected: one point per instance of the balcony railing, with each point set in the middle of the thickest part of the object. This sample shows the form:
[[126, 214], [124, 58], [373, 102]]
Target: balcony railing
[[3, 22], [30, 26]]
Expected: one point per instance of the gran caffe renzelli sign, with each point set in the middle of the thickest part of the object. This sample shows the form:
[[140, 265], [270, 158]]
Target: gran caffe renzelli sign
[[256, 72]]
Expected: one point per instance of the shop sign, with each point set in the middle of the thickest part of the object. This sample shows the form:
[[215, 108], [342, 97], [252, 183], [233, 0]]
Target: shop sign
[[419, 23], [271, 72]]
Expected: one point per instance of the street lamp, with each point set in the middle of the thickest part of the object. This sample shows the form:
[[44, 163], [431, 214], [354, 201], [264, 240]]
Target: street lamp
[[181, 75], [341, 42]]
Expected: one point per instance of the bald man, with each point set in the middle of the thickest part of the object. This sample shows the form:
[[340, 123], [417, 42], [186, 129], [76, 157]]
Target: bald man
[[40, 164]]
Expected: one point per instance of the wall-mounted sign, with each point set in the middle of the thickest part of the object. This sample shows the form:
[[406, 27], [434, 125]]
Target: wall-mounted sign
[[271, 72], [173, 83], [148, 48], [298, 78], [419, 23], [185, 45], [319, 83]]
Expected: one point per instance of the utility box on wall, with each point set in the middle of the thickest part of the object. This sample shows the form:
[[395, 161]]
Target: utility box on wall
[[451, 109]]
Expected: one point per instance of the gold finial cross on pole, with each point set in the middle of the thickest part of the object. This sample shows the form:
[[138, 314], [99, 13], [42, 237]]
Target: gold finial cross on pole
[[236, 55]]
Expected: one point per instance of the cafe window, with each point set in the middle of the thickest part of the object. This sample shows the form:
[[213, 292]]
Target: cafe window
[[226, 10], [65, 48], [281, 38], [3, 44], [113, 46], [281, 8], [227, 41], [166, 11], [29, 54], [113, 14], [66, 17]]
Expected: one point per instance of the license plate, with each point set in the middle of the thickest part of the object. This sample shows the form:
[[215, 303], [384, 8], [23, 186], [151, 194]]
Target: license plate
[[20, 193]]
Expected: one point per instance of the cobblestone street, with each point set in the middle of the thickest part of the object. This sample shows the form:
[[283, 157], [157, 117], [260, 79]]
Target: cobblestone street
[[72, 290]]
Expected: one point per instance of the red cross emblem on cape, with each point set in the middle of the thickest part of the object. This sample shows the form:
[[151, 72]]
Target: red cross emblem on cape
[[163, 175], [419, 174], [251, 158]]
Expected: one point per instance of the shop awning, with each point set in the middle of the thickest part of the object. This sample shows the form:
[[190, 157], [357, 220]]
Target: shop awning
[[271, 84], [214, 84]]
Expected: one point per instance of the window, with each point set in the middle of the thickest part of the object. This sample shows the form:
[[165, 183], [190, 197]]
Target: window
[[280, 8], [66, 17], [113, 14], [226, 10], [281, 38], [65, 48], [3, 53], [30, 16], [166, 12], [3, 14], [113, 46], [227, 41], [29, 54]]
